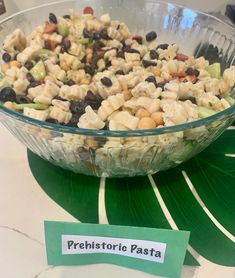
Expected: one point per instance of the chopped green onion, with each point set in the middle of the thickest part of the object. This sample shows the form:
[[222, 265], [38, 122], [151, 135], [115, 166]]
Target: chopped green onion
[[37, 106], [229, 99], [83, 40], [204, 112], [214, 70]]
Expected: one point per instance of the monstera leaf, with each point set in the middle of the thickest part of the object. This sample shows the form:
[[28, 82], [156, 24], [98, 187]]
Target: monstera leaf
[[197, 196]]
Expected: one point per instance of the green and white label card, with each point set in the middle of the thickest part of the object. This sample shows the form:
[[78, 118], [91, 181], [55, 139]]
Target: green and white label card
[[156, 251]]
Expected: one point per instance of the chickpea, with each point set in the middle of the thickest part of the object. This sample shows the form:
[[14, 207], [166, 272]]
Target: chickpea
[[91, 143], [89, 57], [123, 83], [5, 67], [135, 63], [141, 113], [160, 79], [85, 81], [156, 71], [223, 87], [9, 105], [14, 64], [127, 94], [88, 51], [146, 123], [158, 118], [64, 66]]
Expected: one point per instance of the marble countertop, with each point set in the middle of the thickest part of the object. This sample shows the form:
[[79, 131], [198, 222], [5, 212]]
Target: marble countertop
[[24, 207]]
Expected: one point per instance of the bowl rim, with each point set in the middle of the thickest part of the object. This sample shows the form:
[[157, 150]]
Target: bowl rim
[[116, 133]]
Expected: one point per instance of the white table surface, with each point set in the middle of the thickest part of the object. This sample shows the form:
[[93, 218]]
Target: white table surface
[[23, 208]]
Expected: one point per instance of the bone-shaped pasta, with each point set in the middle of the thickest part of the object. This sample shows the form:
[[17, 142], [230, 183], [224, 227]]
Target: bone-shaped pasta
[[15, 42], [75, 92], [40, 115], [60, 115], [125, 118], [90, 120], [50, 90], [229, 76], [151, 105], [111, 104], [146, 89]]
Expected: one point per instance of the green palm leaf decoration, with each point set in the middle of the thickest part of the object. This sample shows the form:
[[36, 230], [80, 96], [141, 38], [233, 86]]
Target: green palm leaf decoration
[[197, 196]]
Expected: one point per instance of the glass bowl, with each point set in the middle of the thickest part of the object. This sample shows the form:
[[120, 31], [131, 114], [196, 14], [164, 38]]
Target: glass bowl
[[128, 153]]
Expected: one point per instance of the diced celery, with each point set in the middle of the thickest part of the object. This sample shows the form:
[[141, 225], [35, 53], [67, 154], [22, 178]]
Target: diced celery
[[204, 112], [38, 71], [1, 76], [229, 99], [4, 84], [37, 106], [84, 40], [44, 54], [214, 70], [63, 28]]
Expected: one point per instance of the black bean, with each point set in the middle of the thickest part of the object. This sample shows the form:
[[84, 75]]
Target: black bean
[[52, 121], [162, 84], [35, 83], [93, 100], [88, 69], [106, 82], [151, 36], [70, 82], [37, 59], [65, 44], [107, 63], [125, 48], [139, 39], [193, 100], [77, 107], [7, 94], [83, 60], [6, 57], [120, 72], [163, 46], [151, 79], [59, 98], [104, 34], [52, 18], [74, 120], [22, 99], [28, 65], [87, 33], [98, 45], [147, 63], [132, 50], [47, 44], [90, 96], [66, 16], [153, 54], [29, 77], [95, 59], [106, 127], [96, 36], [120, 54], [191, 71]]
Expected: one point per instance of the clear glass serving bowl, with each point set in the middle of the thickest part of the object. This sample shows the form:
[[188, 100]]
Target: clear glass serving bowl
[[128, 153]]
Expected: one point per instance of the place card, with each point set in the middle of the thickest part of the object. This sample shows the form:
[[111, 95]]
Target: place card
[[156, 251]]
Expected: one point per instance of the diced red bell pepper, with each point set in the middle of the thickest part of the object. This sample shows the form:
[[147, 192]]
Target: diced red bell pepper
[[178, 74], [88, 10], [138, 38], [49, 27], [52, 44], [181, 57]]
